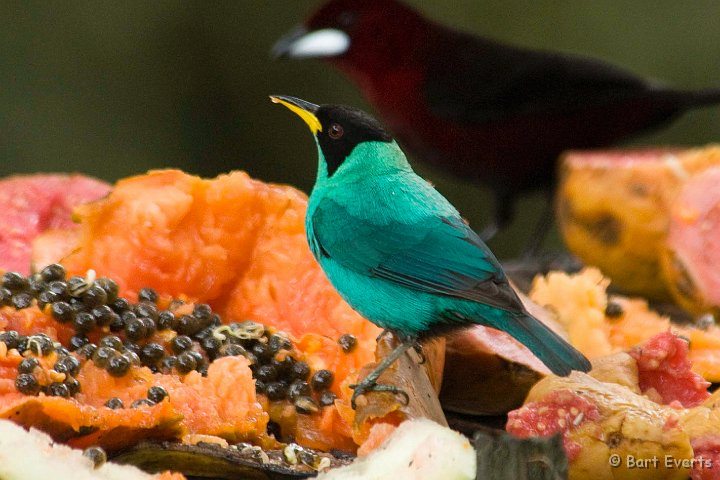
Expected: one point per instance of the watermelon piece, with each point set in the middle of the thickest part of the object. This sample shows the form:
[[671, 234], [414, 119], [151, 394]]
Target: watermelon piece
[[35, 203]]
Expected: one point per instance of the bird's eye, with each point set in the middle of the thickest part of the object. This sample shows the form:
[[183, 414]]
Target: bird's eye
[[335, 131]]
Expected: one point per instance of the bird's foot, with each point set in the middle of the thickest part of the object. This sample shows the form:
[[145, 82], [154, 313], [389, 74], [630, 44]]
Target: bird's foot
[[364, 387], [382, 334], [421, 353]]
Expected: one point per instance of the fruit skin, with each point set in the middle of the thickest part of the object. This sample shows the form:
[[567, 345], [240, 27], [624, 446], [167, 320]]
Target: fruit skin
[[488, 372], [691, 254], [613, 208]]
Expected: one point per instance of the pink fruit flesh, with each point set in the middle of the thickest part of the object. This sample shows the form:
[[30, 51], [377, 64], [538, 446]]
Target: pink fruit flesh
[[694, 232], [560, 412], [663, 365], [34, 203], [706, 462]]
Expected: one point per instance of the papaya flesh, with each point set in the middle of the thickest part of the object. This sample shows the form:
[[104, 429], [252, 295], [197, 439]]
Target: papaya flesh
[[238, 245], [233, 242], [599, 323], [195, 404]]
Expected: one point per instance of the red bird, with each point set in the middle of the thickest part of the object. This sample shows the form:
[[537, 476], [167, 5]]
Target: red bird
[[483, 110]]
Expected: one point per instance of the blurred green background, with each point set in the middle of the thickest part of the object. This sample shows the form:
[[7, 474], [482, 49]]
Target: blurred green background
[[112, 88]]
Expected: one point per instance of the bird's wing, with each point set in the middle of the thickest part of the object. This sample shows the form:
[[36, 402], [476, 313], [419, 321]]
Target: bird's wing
[[479, 80], [439, 255]]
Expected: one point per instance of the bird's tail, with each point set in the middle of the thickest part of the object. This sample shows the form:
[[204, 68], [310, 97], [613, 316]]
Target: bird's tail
[[558, 355]]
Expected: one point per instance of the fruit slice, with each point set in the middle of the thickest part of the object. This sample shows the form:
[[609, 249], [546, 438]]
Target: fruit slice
[[34, 203], [233, 242], [561, 411], [613, 209], [221, 403], [702, 423], [33, 455], [602, 423], [487, 372], [692, 252], [239, 245], [418, 449], [611, 430]]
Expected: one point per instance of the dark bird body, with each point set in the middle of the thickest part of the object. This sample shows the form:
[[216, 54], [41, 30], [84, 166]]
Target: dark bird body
[[482, 110]]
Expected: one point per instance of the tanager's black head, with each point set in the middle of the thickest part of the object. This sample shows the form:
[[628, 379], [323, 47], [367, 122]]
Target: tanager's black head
[[338, 129]]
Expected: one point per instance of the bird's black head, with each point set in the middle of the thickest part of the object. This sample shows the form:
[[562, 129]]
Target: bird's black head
[[343, 129], [338, 128]]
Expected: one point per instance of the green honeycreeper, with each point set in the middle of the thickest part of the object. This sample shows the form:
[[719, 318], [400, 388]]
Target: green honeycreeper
[[398, 252]]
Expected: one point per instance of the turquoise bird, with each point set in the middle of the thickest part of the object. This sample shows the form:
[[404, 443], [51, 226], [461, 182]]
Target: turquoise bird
[[398, 252]]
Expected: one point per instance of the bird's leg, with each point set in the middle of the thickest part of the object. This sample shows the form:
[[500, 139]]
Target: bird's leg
[[382, 334], [368, 384], [421, 353], [540, 231]]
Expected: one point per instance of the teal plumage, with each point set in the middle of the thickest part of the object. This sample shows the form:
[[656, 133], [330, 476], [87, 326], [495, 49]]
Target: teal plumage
[[397, 251]]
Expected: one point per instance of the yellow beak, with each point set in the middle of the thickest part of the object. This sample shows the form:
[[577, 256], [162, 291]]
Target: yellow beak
[[303, 109]]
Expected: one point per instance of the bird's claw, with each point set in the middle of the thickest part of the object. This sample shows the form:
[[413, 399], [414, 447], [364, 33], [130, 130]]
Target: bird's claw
[[382, 334], [361, 389], [421, 353]]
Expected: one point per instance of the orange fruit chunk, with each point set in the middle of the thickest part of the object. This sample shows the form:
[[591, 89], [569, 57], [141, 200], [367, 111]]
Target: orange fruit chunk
[[239, 245]]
